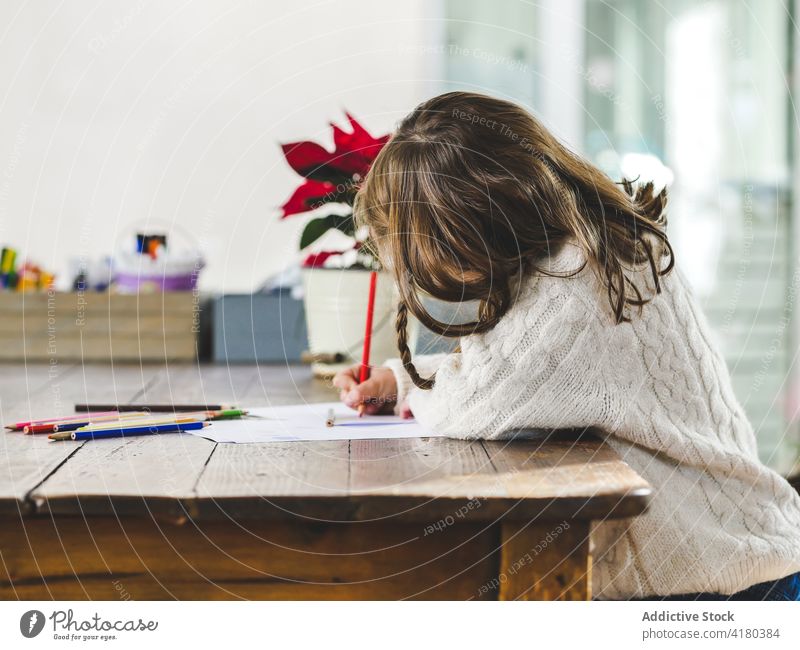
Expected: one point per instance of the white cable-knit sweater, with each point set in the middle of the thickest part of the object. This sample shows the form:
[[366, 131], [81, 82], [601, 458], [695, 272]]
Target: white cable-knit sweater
[[719, 520]]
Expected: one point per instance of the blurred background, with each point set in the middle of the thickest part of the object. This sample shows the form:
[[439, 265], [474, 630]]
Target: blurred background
[[115, 115]]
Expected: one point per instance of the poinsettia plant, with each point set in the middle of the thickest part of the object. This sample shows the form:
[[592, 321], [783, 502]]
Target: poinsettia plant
[[331, 177]]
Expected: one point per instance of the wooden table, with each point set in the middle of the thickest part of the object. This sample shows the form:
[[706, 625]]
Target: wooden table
[[177, 516]]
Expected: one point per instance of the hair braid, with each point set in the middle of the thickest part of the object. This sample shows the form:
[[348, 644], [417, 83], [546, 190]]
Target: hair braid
[[401, 325]]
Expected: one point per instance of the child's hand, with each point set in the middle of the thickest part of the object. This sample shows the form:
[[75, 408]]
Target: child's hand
[[378, 393], [404, 411]]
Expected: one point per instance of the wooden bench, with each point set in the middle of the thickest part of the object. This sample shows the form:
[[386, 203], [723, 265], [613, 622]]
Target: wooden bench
[[177, 516]]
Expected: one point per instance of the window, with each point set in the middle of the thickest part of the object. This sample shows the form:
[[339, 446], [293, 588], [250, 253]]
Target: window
[[690, 93]]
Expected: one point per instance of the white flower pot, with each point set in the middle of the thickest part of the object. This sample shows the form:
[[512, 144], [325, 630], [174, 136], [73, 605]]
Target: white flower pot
[[336, 313]]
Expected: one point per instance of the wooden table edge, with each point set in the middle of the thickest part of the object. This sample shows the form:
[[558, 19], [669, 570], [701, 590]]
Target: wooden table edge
[[339, 508]]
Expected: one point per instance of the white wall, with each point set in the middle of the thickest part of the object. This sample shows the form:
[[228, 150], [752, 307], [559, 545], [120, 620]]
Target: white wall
[[117, 113]]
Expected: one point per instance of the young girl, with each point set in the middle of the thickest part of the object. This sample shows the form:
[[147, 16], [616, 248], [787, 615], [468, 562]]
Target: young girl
[[583, 322]]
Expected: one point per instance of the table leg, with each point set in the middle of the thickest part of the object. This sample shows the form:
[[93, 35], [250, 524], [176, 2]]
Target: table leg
[[545, 561]]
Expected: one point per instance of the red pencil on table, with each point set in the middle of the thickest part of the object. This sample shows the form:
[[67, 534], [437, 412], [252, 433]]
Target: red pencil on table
[[51, 427], [20, 426], [364, 371]]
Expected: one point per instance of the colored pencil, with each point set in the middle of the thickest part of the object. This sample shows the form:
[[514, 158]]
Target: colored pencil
[[48, 428], [61, 435], [77, 421], [122, 432], [224, 414], [364, 371], [140, 419], [152, 408], [143, 422], [330, 420], [113, 432], [72, 423], [19, 426]]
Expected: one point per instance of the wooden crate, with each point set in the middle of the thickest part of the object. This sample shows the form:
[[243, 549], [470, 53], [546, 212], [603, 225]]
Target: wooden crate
[[94, 326]]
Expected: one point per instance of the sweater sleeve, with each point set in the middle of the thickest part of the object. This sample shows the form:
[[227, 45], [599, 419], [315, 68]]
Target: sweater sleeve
[[543, 366], [426, 365]]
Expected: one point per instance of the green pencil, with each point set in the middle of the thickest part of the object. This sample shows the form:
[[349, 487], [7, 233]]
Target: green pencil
[[225, 414]]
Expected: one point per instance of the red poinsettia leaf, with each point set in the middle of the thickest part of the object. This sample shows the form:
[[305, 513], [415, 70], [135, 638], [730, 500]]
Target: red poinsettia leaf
[[355, 151], [316, 260], [306, 157], [359, 132], [353, 162], [342, 140], [308, 196]]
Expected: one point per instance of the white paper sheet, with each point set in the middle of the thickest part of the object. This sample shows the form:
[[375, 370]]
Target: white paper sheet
[[308, 422]]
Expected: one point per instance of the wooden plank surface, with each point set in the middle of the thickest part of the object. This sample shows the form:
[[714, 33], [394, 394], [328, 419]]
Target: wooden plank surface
[[276, 385], [427, 479], [192, 382], [417, 466], [49, 390], [569, 473], [147, 475], [144, 475], [405, 480]]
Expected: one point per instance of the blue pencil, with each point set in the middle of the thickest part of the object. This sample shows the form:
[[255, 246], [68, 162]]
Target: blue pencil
[[122, 432]]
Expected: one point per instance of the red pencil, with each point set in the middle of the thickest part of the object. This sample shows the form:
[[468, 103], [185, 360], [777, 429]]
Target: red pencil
[[20, 426], [41, 428], [364, 371]]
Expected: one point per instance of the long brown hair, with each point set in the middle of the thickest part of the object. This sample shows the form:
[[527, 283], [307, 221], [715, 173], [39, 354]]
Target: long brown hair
[[472, 192]]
